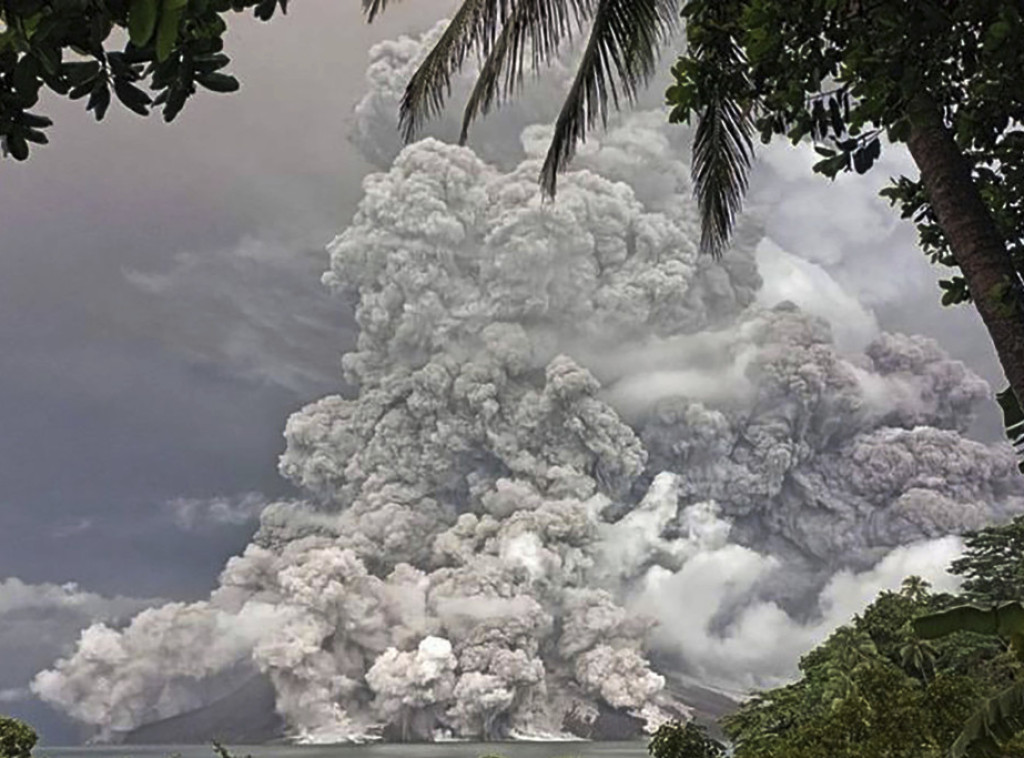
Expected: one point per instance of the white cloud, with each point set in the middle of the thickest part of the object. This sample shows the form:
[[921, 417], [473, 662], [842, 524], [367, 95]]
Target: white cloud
[[760, 643], [195, 513], [15, 694]]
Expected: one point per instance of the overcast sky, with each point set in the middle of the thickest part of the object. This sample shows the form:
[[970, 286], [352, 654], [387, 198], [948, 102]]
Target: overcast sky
[[161, 315]]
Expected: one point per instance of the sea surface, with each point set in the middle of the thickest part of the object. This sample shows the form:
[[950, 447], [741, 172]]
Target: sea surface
[[374, 750]]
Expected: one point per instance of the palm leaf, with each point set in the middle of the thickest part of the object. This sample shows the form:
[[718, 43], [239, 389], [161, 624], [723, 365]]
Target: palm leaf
[[620, 56], [715, 85], [1006, 620], [722, 154], [540, 25], [1000, 719], [373, 8], [622, 48], [473, 26]]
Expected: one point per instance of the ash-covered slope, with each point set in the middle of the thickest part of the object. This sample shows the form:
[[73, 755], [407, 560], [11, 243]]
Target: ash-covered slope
[[245, 716], [576, 444]]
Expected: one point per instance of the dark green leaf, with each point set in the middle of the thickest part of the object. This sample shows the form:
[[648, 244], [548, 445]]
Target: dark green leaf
[[34, 121], [218, 82], [176, 98], [99, 100], [132, 97], [34, 135], [16, 146], [168, 28], [836, 118], [142, 16], [80, 72]]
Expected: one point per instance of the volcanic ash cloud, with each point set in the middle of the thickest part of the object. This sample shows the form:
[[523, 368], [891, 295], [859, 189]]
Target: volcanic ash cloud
[[577, 447]]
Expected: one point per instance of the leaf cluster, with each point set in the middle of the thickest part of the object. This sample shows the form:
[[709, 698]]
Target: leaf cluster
[[992, 564], [690, 740], [73, 49], [874, 689], [511, 37], [848, 75], [16, 738]]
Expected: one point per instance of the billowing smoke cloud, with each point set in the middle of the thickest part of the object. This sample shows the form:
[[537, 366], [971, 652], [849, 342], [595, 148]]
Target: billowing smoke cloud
[[40, 622], [577, 447]]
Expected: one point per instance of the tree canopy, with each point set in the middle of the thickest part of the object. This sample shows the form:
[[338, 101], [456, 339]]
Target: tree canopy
[[16, 738], [689, 740], [992, 565], [74, 49], [875, 689], [918, 674]]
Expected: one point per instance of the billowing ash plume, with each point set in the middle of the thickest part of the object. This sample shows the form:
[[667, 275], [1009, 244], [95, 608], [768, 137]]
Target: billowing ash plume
[[577, 448]]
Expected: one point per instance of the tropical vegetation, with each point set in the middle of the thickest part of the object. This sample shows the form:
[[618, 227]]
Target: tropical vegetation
[[917, 675], [689, 740]]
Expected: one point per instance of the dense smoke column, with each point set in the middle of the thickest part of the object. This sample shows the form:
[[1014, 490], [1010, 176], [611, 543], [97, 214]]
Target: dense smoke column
[[568, 425]]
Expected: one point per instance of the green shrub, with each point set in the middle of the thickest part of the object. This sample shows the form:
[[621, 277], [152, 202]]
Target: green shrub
[[690, 740], [16, 738]]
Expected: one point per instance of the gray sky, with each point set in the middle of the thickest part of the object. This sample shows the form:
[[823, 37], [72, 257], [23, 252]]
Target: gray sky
[[161, 314]]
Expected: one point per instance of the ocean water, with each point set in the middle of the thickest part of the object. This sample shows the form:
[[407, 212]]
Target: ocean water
[[376, 750]]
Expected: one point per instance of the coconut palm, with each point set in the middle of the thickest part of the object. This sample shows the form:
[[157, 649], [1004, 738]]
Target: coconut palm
[[915, 588], [918, 657], [509, 36]]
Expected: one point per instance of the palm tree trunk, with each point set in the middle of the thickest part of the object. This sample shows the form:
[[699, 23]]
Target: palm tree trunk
[[973, 236]]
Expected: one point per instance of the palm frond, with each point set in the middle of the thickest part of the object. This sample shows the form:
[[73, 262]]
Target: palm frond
[[723, 143], [473, 26], [723, 150], [373, 8], [542, 26], [619, 58], [997, 721]]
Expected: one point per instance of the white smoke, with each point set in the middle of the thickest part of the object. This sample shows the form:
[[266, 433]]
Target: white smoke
[[577, 447], [191, 513], [41, 622]]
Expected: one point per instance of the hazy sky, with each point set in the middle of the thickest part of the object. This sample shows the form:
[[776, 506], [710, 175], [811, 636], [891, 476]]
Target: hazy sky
[[161, 314]]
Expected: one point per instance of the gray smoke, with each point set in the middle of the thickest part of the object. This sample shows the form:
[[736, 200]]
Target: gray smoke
[[577, 446]]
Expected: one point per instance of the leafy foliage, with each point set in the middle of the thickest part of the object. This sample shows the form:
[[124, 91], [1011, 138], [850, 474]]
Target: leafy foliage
[[16, 738], [65, 46], [623, 39], [713, 82], [992, 565], [874, 689], [1000, 718], [846, 73], [993, 725], [676, 740]]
